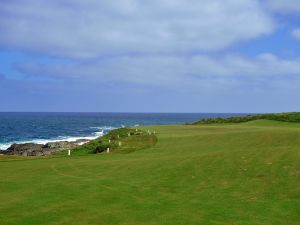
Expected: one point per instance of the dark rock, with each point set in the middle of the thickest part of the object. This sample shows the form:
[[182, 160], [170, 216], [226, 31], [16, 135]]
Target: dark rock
[[31, 149], [27, 149], [59, 145]]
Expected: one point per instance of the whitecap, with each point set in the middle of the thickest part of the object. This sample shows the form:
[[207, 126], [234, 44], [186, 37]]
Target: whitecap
[[101, 131]]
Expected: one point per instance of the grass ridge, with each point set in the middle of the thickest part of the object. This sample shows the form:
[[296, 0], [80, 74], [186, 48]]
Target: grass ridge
[[284, 117]]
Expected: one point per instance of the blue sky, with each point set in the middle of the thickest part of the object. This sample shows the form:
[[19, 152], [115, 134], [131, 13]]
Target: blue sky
[[150, 56]]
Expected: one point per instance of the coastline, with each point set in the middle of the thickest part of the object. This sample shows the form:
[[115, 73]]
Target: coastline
[[76, 140], [41, 128], [38, 149]]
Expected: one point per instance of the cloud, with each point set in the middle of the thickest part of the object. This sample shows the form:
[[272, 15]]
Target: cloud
[[158, 55], [201, 83], [187, 73], [284, 6], [296, 33], [89, 28]]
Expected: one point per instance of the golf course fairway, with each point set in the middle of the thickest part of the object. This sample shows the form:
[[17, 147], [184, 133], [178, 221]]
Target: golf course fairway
[[217, 174]]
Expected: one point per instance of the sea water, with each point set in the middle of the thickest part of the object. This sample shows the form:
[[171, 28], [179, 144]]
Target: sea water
[[45, 127]]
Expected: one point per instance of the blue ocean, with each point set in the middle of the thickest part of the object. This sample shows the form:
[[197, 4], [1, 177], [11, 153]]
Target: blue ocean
[[45, 127]]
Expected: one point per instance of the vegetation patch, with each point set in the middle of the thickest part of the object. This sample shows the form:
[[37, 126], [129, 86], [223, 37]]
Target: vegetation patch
[[123, 140], [285, 117], [241, 174]]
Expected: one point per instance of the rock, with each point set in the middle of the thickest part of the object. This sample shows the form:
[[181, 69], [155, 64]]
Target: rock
[[31, 149], [59, 145], [28, 149]]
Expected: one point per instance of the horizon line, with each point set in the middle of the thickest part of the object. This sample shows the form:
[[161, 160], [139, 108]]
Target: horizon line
[[139, 112]]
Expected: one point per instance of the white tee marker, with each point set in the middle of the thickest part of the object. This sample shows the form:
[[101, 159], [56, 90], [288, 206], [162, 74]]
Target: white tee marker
[[69, 152], [107, 150]]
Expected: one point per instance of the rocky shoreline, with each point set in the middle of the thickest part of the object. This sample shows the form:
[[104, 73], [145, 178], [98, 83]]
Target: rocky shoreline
[[32, 149]]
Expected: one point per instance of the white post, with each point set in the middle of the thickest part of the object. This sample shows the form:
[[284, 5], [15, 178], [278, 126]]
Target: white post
[[109, 141], [107, 150], [69, 152]]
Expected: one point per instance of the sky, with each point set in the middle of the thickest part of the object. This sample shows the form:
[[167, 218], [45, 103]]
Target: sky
[[238, 56]]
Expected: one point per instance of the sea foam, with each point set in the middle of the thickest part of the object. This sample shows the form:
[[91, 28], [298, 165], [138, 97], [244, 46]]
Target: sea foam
[[101, 131]]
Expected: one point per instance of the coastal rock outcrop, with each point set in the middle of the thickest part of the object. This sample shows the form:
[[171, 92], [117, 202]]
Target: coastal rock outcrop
[[31, 149], [59, 145], [28, 149]]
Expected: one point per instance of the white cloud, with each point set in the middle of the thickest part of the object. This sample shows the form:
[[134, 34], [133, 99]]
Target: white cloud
[[174, 72], [88, 28], [296, 33]]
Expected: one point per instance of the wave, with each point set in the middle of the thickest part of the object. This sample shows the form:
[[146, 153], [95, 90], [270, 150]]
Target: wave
[[103, 128], [101, 131]]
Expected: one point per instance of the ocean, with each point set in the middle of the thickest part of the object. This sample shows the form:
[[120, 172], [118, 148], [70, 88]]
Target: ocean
[[45, 127]]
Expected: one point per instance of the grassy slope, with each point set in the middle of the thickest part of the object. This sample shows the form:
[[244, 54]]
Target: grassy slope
[[137, 140], [239, 174]]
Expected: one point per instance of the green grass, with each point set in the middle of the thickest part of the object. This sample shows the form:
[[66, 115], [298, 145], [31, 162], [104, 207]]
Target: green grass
[[123, 140], [284, 117], [241, 174]]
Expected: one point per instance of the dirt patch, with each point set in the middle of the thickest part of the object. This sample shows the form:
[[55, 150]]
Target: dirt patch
[[297, 173]]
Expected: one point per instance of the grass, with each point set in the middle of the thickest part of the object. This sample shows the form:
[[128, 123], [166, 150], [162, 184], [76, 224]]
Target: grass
[[285, 117], [123, 140], [217, 174]]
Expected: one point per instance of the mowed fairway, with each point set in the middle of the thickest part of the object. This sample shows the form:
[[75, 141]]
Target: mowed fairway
[[241, 174]]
